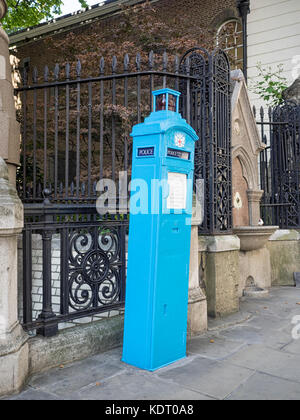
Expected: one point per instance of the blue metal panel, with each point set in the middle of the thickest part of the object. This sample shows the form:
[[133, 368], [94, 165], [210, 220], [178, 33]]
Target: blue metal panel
[[159, 243]]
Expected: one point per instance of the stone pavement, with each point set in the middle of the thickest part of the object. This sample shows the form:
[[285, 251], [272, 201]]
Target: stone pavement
[[249, 355]]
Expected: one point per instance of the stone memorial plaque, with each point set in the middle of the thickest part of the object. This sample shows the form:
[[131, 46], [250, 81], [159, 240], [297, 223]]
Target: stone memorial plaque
[[178, 191]]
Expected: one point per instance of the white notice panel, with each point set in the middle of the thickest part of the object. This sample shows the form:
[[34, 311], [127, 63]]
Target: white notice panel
[[178, 191]]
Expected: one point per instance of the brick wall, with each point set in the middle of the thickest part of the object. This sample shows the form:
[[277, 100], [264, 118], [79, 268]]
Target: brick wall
[[199, 16]]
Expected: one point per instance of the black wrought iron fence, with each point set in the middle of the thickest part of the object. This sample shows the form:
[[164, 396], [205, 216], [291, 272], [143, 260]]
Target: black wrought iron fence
[[210, 116], [76, 131], [92, 264], [280, 166]]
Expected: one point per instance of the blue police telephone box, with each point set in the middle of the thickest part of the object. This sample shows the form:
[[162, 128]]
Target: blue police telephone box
[[159, 241]]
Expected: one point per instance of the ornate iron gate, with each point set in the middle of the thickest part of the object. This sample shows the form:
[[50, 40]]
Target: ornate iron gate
[[210, 115], [76, 131], [280, 166]]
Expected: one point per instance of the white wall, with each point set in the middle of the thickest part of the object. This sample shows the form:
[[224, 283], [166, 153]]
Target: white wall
[[274, 38]]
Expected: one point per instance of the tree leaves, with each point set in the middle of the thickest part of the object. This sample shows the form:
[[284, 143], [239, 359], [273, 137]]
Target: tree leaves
[[25, 13], [270, 84]]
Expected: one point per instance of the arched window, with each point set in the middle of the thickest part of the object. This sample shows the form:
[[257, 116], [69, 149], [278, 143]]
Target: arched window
[[230, 39]]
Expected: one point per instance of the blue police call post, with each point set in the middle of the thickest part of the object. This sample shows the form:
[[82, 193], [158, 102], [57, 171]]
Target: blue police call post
[[159, 239]]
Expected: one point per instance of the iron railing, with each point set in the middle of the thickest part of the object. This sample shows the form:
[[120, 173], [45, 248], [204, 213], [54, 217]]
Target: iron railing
[[280, 166], [75, 132], [210, 116], [92, 263]]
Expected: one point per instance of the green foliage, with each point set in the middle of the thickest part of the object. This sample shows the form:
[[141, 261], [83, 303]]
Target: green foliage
[[270, 84], [29, 172], [25, 13]]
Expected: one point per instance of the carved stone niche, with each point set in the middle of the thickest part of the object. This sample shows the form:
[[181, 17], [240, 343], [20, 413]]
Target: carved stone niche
[[246, 147]]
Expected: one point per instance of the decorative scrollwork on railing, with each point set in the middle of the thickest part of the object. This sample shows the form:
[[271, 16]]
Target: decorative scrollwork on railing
[[207, 103], [80, 292], [109, 243], [109, 288], [94, 265]]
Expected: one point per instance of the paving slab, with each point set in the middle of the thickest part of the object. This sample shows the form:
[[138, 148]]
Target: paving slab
[[267, 360], [292, 347], [216, 379], [215, 324], [244, 334], [249, 355], [249, 334], [213, 346], [34, 395], [134, 386], [277, 341], [67, 372], [86, 378], [267, 323], [258, 387], [280, 303]]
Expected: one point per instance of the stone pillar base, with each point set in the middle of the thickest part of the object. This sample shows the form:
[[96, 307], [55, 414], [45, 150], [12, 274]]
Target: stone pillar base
[[197, 315], [221, 273], [284, 247], [197, 309], [13, 360]]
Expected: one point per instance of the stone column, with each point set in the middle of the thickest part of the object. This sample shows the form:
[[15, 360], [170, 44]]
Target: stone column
[[254, 198], [10, 130], [13, 341]]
